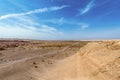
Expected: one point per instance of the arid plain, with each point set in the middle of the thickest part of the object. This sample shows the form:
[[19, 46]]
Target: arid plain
[[59, 60]]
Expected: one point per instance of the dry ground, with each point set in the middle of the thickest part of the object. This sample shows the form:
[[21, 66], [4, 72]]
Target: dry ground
[[59, 60]]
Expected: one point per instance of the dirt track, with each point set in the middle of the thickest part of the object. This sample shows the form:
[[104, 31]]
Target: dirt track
[[19, 59], [97, 60]]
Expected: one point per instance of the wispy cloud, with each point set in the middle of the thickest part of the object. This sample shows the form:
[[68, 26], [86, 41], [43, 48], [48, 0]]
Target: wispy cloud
[[20, 25], [53, 8], [88, 7], [83, 25], [63, 21], [59, 21], [28, 32]]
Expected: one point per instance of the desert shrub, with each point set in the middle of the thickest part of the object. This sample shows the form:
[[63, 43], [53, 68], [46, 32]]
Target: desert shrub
[[1, 59], [50, 62], [34, 63], [36, 66], [1, 48], [118, 77], [0, 54], [43, 60]]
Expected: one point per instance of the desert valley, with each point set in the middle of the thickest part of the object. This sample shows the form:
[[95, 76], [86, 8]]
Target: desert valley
[[59, 60]]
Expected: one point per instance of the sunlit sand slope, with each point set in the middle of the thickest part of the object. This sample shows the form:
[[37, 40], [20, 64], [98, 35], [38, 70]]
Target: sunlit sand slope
[[95, 61]]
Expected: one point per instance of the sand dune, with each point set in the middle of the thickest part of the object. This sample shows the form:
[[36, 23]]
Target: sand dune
[[97, 60]]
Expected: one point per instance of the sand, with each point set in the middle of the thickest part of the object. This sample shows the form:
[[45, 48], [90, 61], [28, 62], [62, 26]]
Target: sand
[[95, 60]]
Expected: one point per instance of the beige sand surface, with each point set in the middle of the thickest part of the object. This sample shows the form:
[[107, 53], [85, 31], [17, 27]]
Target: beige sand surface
[[96, 60]]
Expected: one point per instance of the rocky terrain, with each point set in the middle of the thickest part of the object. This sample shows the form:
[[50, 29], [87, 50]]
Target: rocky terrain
[[59, 60]]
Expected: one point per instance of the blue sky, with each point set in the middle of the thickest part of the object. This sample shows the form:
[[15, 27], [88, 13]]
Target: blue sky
[[60, 19]]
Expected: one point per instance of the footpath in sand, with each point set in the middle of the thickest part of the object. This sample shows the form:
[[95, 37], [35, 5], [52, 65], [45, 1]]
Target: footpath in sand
[[95, 61]]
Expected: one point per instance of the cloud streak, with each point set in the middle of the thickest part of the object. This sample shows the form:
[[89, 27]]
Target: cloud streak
[[63, 21], [28, 32], [83, 25], [19, 25], [88, 7], [27, 27], [54, 8]]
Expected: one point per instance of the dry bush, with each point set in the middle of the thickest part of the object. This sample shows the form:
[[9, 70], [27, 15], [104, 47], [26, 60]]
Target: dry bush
[[1, 48], [0, 54]]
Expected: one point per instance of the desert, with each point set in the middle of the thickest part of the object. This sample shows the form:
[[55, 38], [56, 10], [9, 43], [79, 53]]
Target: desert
[[59, 39], [59, 60]]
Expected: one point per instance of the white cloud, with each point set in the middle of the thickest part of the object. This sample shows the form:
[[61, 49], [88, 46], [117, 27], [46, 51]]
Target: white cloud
[[59, 21], [88, 7], [83, 25], [23, 26], [28, 28], [45, 27], [43, 32], [63, 21], [54, 8]]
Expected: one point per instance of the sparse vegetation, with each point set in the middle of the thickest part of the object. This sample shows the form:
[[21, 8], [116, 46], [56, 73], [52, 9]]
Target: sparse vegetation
[[1, 59], [34, 63], [50, 62], [0, 54], [95, 58], [36, 66], [43, 60], [1, 48]]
